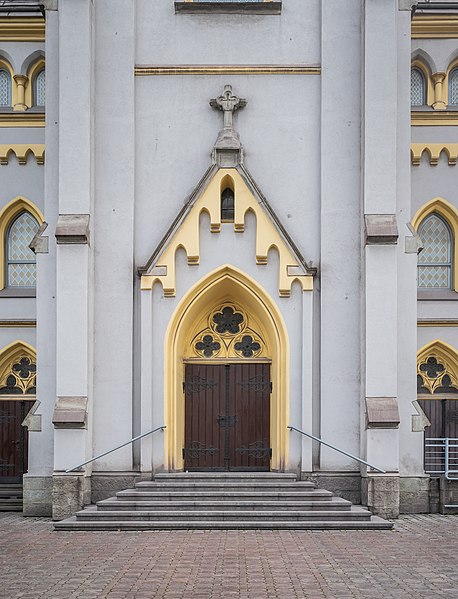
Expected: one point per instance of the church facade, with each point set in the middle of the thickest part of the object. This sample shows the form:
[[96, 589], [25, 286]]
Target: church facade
[[242, 220]]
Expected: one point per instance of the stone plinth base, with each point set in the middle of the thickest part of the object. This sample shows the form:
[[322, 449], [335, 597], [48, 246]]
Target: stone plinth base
[[448, 490], [37, 495], [343, 484], [70, 493], [381, 495], [107, 484], [414, 495]]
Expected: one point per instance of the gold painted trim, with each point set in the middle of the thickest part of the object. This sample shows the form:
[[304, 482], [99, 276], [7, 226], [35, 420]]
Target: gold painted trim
[[225, 284], [292, 69], [20, 324], [226, 360], [437, 118], [187, 236], [22, 29], [434, 151], [437, 323], [435, 26], [22, 152], [22, 119], [450, 214], [7, 214]]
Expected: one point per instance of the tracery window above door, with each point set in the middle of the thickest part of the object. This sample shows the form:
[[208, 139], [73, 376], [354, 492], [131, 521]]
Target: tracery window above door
[[434, 376], [229, 334], [19, 378]]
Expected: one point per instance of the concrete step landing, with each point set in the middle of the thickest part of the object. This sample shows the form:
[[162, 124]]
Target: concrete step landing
[[223, 501]]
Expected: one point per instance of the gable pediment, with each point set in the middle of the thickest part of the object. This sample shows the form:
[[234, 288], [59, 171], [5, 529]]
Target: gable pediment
[[185, 233]]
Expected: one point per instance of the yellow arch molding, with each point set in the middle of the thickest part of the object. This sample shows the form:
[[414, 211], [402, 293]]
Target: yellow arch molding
[[4, 64], [21, 152], [7, 214], [267, 236], [32, 72], [417, 63], [451, 66], [225, 285], [12, 353], [450, 214], [445, 354]]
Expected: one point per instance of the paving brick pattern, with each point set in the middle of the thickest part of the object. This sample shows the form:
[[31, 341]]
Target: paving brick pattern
[[417, 559]]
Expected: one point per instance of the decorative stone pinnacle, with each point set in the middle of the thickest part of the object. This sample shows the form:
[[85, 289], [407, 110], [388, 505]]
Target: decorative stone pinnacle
[[228, 103], [227, 151]]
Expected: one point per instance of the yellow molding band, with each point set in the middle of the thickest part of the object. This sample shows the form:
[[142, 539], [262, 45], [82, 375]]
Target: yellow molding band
[[22, 29], [435, 26], [22, 119], [434, 118], [210, 69], [21, 324], [22, 151], [437, 323], [434, 151]]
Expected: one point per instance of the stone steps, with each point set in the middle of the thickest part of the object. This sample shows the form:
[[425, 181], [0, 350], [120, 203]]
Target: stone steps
[[10, 497], [223, 501]]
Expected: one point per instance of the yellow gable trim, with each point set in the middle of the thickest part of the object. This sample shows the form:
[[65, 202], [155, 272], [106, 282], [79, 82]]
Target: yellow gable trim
[[22, 151], [187, 237]]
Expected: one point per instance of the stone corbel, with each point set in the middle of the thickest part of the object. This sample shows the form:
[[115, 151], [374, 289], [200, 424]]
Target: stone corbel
[[381, 229], [70, 412], [413, 243], [40, 243], [419, 420], [21, 82], [72, 229], [438, 80], [382, 412], [33, 421]]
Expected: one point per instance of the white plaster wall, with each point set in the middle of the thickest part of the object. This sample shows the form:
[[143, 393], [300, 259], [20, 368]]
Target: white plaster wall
[[20, 53], [340, 230], [428, 334], [113, 230], [9, 335], [440, 52], [22, 179]]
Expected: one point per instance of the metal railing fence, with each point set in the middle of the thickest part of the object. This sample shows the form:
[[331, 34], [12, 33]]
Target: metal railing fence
[[441, 457]]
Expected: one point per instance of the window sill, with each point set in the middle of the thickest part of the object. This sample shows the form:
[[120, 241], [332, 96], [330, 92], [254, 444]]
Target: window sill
[[429, 295], [18, 292], [240, 8]]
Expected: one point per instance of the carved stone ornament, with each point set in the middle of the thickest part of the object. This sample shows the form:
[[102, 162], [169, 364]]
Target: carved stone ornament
[[227, 151]]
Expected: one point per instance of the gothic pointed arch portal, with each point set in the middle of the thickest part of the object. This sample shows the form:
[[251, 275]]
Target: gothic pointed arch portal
[[227, 287]]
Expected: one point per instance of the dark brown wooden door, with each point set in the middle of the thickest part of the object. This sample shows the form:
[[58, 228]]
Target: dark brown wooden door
[[443, 415], [227, 417], [13, 440]]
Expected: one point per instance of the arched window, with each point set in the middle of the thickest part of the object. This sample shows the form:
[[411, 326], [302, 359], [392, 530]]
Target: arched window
[[417, 87], [227, 205], [453, 88], [39, 91], [20, 260], [435, 260], [5, 88]]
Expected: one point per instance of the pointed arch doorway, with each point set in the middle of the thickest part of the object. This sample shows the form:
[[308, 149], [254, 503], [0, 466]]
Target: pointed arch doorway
[[227, 378]]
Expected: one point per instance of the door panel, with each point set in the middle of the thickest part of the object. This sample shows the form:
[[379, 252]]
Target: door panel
[[227, 417], [13, 440], [204, 403]]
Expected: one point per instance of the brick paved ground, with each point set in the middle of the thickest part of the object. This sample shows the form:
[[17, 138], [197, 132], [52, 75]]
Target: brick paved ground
[[417, 559]]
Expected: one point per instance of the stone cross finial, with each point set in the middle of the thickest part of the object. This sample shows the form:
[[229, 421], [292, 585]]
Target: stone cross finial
[[228, 103]]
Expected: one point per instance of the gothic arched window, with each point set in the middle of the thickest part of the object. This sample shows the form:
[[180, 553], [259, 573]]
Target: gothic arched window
[[417, 87], [453, 87], [435, 260], [20, 260], [40, 89], [227, 205], [5, 88]]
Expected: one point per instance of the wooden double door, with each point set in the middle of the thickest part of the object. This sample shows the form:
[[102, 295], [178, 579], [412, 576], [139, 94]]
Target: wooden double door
[[443, 415], [13, 440], [227, 417]]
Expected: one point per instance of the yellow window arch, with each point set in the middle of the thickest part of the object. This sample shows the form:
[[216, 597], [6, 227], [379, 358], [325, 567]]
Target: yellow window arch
[[18, 371]]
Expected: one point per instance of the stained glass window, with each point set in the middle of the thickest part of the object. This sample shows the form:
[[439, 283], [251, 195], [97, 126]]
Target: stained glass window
[[435, 260], [453, 88], [5, 88], [417, 88], [40, 89], [21, 267]]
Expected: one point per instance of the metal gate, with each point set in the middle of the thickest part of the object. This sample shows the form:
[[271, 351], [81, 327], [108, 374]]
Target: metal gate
[[227, 417]]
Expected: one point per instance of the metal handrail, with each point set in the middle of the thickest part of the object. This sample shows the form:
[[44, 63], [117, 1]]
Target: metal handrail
[[159, 428], [353, 457], [441, 456]]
